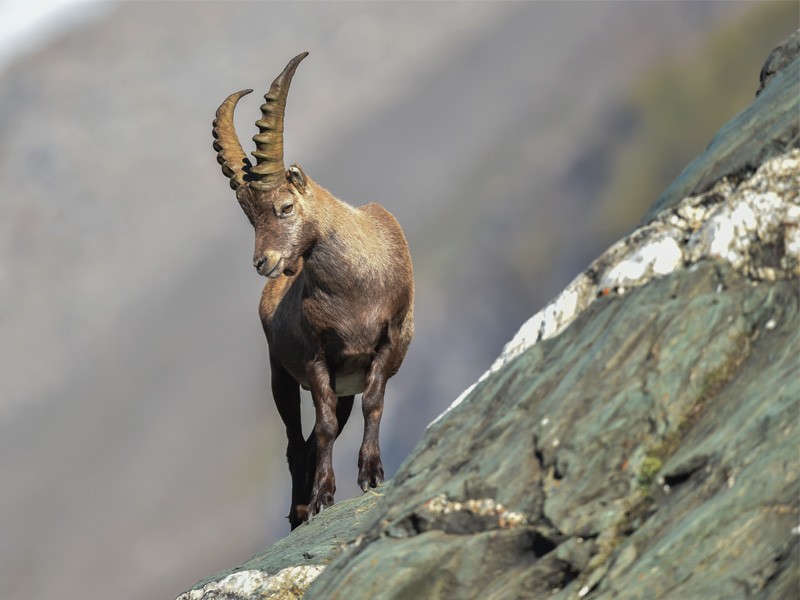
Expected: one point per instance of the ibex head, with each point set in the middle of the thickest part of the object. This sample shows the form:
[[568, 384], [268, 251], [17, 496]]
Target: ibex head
[[276, 200]]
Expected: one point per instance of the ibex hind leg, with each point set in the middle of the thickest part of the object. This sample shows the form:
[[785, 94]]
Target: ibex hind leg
[[384, 365], [286, 394], [321, 380]]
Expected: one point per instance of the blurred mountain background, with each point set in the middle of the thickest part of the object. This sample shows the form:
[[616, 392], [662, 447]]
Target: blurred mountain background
[[513, 141]]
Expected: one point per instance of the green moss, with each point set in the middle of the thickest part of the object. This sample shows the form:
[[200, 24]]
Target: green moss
[[650, 466], [642, 504], [713, 381]]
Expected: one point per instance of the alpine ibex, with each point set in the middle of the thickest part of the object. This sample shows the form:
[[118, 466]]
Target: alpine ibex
[[337, 306]]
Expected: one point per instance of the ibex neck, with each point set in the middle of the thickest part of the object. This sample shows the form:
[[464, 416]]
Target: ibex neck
[[342, 256]]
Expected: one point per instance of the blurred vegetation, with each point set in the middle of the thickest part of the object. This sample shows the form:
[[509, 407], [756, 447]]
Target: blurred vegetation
[[679, 107]]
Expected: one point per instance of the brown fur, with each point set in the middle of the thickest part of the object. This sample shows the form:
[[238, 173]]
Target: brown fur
[[338, 315], [337, 308]]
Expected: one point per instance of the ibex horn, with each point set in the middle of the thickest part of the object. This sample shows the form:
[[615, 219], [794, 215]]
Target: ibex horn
[[230, 155], [269, 170]]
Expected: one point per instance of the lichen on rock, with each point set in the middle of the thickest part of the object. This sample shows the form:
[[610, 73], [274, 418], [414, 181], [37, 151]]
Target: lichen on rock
[[754, 226], [288, 584]]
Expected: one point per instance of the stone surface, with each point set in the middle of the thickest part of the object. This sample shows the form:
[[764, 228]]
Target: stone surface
[[641, 446], [286, 584], [754, 227], [637, 439], [287, 568], [778, 60], [764, 129]]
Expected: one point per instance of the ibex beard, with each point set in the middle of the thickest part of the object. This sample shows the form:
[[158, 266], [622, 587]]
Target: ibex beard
[[337, 308]]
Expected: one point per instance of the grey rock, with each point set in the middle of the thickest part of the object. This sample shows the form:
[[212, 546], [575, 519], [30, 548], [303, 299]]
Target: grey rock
[[288, 583], [287, 567], [779, 59], [637, 439], [763, 130]]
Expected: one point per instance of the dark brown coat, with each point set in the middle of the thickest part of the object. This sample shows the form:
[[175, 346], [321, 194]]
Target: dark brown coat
[[337, 308]]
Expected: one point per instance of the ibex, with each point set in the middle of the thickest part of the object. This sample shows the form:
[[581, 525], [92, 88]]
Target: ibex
[[337, 308]]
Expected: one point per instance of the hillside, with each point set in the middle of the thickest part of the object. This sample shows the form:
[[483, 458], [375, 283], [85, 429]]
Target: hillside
[[139, 447], [637, 438]]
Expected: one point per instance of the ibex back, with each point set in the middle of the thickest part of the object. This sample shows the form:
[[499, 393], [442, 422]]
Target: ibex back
[[337, 307]]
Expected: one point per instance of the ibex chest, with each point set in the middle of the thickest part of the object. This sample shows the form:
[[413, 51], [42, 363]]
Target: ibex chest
[[347, 333]]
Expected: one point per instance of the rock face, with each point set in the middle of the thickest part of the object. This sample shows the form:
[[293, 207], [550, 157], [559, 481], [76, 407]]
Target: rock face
[[637, 438]]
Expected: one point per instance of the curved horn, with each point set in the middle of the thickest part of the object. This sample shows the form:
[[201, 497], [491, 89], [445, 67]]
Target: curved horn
[[269, 170], [230, 155]]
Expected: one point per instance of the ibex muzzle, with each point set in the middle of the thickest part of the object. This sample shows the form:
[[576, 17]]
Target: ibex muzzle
[[337, 308]]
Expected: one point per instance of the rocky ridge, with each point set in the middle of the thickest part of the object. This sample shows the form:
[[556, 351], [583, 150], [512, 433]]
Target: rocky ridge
[[637, 438]]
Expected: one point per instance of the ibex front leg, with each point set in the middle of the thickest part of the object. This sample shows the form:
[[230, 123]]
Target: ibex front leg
[[325, 430], [384, 365], [344, 405]]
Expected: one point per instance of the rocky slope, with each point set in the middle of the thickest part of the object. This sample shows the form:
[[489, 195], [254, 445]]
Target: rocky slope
[[637, 438], [133, 361]]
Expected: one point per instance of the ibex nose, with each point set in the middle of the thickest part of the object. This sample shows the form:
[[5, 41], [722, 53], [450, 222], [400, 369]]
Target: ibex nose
[[267, 264]]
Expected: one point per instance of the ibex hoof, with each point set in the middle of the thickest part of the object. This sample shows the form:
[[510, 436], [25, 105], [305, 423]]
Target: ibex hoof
[[298, 515], [319, 502], [370, 476]]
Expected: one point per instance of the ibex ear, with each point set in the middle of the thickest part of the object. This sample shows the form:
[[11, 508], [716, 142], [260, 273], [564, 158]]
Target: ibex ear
[[245, 199], [296, 176]]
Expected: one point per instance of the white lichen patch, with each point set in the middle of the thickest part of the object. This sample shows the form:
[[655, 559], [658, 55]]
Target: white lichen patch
[[791, 234], [657, 257], [548, 322], [481, 507], [289, 583], [754, 226]]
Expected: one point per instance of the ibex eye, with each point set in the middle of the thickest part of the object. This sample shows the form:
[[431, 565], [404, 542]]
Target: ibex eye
[[287, 209]]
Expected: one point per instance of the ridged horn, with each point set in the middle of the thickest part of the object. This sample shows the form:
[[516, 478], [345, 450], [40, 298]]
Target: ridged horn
[[235, 164], [269, 170]]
